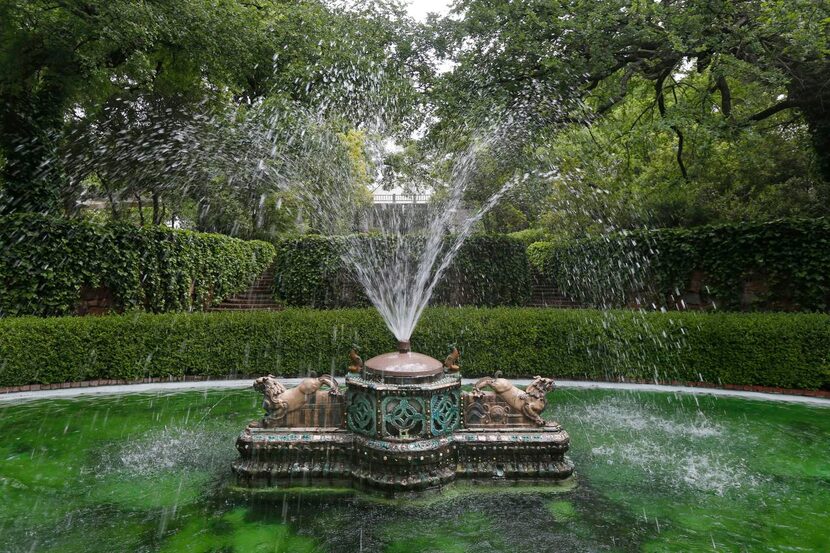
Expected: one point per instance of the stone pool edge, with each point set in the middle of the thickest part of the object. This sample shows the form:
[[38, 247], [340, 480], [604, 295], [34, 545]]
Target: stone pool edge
[[75, 390]]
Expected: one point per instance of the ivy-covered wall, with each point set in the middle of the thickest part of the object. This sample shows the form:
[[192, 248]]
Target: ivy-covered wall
[[779, 265], [489, 270], [788, 350], [45, 262]]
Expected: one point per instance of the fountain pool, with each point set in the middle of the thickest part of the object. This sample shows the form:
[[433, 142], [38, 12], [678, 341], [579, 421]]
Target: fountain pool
[[657, 472]]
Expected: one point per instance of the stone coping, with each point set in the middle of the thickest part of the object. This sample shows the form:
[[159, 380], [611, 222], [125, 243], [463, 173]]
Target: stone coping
[[447, 381], [111, 386]]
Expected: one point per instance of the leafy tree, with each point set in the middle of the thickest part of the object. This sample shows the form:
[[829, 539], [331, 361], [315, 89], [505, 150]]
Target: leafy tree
[[64, 57], [108, 74], [622, 169], [725, 84]]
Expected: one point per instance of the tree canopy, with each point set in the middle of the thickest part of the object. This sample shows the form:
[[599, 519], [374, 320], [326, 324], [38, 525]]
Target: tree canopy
[[670, 112], [694, 101], [116, 70]]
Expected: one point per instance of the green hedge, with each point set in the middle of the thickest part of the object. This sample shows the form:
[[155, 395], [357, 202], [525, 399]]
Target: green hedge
[[44, 263], [489, 270], [529, 236], [786, 350], [792, 257]]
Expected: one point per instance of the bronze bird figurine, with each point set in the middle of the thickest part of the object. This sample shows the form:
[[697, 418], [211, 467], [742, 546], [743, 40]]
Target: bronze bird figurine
[[356, 363], [451, 362]]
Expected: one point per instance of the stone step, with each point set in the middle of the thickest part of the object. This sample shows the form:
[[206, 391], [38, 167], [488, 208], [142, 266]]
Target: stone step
[[247, 308], [258, 296], [548, 295], [248, 304], [247, 301]]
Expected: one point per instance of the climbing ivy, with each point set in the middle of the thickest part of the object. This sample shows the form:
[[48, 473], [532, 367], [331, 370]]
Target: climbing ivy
[[44, 263], [791, 257], [489, 270]]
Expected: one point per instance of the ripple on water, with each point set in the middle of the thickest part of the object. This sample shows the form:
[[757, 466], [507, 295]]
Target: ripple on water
[[627, 414], [170, 448], [680, 468], [687, 451]]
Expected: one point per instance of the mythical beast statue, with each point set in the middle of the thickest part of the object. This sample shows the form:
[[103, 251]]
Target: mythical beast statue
[[530, 402], [279, 401]]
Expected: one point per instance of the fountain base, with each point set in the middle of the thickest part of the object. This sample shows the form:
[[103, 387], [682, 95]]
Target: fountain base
[[403, 426], [314, 457]]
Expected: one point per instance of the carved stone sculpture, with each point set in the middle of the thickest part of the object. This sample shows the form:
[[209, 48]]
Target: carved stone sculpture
[[451, 362], [530, 402], [279, 401], [355, 362]]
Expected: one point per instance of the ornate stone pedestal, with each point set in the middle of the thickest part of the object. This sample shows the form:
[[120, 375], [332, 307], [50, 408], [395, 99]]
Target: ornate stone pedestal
[[402, 426]]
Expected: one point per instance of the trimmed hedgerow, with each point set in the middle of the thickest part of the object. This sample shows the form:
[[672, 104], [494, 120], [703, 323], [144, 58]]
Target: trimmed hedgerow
[[790, 257], [489, 270], [785, 350], [44, 263]]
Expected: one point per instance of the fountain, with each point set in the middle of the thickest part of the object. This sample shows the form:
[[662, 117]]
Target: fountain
[[403, 425]]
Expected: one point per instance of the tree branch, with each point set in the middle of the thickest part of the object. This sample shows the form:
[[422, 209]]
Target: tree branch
[[725, 96], [661, 105], [617, 98], [772, 110]]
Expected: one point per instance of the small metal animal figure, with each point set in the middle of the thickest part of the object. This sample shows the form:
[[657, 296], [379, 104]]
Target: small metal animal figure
[[356, 362], [451, 362], [530, 403], [279, 400]]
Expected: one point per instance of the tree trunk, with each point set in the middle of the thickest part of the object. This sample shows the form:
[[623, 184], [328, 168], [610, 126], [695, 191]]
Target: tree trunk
[[818, 122], [113, 207], [156, 209], [140, 209]]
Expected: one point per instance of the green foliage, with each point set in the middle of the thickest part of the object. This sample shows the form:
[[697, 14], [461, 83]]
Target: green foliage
[[44, 262], [786, 350], [489, 270], [83, 66], [676, 112], [529, 236], [791, 256], [505, 218], [309, 272], [56, 58], [624, 167], [540, 257]]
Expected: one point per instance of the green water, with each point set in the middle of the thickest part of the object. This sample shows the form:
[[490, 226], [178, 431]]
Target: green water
[[656, 472]]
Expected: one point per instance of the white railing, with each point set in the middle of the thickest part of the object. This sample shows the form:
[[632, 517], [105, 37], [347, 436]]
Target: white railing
[[400, 198]]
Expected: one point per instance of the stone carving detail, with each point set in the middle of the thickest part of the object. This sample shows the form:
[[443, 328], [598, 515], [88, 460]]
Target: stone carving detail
[[530, 402], [484, 413], [361, 414], [279, 401], [451, 362], [355, 362], [444, 411], [402, 416]]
